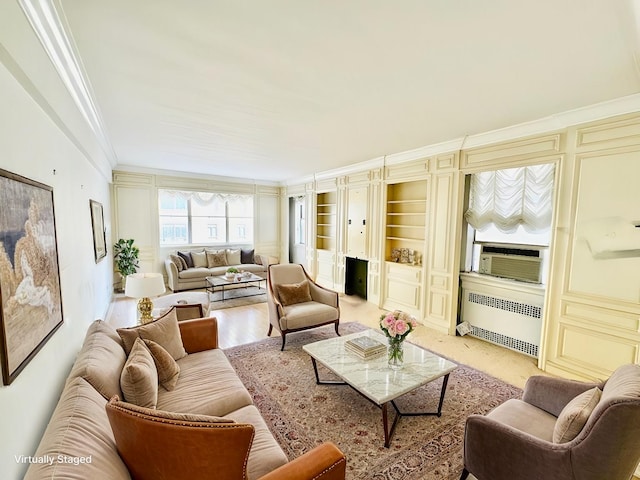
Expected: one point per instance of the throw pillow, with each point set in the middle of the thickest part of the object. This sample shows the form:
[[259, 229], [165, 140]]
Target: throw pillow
[[177, 261], [139, 378], [167, 368], [186, 256], [157, 444], [199, 259], [164, 331], [574, 415], [246, 256], [290, 294], [233, 257], [216, 259]]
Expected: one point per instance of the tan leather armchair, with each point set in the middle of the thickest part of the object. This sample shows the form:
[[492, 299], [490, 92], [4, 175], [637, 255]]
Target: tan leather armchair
[[297, 303], [516, 439]]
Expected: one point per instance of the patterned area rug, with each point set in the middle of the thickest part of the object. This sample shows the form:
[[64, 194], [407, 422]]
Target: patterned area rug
[[302, 414]]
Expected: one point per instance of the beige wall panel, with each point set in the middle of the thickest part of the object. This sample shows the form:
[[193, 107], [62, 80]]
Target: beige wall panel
[[604, 257], [134, 208], [295, 190], [610, 134], [445, 162], [438, 306], [508, 153], [126, 178], [605, 317], [267, 219], [402, 272], [409, 170], [439, 282], [326, 184], [358, 178], [441, 228], [400, 293], [595, 351]]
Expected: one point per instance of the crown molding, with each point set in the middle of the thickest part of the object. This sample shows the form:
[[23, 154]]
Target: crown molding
[[47, 22]]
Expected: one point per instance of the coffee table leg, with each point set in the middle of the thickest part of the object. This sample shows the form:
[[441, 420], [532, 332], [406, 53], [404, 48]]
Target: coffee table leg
[[445, 380], [388, 432]]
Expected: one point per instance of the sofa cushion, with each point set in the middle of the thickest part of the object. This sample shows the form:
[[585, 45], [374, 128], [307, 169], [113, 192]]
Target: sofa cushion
[[265, 455], [623, 382], [139, 378], [199, 259], [195, 273], [186, 256], [292, 293], [79, 429], [167, 368], [216, 259], [101, 359], [246, 256], [196, 392], [233, 256], [164, 331], [178, 262], [525, 417], [302, 315], [575, 415]]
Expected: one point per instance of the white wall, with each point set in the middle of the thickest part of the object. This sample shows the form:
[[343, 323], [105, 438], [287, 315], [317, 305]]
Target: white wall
[[32, 144]]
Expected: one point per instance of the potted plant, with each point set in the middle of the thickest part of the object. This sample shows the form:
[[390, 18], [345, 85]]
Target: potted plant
[[125, 254]]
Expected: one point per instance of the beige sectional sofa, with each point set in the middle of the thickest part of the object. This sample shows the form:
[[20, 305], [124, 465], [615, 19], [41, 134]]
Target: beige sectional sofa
[[187, 269], [205, 427]]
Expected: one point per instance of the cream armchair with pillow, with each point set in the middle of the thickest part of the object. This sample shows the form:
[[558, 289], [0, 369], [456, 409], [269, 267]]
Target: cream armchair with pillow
[[560, 430], [296, 302]]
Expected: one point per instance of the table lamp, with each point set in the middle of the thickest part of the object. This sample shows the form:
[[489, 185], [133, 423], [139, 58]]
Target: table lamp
[[143, 286]]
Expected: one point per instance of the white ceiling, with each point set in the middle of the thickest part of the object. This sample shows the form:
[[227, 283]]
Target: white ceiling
[[277, 90]]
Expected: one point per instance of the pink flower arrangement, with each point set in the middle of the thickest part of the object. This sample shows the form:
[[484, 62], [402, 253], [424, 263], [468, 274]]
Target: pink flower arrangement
[[397, 324]]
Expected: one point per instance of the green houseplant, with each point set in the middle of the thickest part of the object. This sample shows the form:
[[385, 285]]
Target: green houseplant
[[125, 254]]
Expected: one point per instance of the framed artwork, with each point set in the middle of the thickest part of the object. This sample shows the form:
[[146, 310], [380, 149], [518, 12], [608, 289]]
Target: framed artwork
[[31, 301], [97, 224]]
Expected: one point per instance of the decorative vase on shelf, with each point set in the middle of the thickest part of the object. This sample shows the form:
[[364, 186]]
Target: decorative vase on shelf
[[395, 353]]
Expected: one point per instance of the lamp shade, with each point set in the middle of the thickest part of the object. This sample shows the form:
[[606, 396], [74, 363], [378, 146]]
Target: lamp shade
[[140, 285]]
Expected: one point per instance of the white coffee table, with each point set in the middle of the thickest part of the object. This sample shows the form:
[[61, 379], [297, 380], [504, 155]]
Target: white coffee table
[[375, 380]]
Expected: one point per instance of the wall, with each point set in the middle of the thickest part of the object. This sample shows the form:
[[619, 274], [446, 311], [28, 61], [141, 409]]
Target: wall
[[31, 145], [42, 131], [135, 210]]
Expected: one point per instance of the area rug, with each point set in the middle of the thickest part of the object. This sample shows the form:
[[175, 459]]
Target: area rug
[[302, 414]]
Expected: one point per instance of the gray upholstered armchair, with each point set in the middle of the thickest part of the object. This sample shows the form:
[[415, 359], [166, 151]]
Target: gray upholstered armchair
[[560, 430], [296, 302]]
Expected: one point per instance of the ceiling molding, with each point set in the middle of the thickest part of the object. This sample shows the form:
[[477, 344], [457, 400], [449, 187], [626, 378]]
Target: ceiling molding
[[45, 19]]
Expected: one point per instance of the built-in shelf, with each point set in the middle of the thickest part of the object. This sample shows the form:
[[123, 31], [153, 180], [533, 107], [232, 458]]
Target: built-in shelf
[[406, 212], [326, 220]]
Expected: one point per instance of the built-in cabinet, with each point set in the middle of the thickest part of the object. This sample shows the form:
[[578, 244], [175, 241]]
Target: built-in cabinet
[[405, 234], [326, 220]]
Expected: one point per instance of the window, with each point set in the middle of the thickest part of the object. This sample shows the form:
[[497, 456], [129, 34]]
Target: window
[[510, 208], [204, 218]]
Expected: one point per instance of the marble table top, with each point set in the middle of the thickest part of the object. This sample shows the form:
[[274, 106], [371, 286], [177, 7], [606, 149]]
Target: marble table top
[[373, 377]]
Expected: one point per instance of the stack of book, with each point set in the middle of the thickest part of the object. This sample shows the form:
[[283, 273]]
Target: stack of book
[[365, 347]]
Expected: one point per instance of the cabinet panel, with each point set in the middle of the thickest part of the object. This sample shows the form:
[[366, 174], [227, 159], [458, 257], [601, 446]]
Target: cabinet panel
[[511, 151], [582, 346], [610, 134], [357, 222]]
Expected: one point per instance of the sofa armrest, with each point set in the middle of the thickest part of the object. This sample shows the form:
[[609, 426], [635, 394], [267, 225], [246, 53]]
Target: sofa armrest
[[172, 274], [266, 260], [199, 334], [323, 295], [552, 394], [324, 462]]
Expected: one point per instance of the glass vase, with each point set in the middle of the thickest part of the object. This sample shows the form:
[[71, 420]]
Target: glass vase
[[395, 354]]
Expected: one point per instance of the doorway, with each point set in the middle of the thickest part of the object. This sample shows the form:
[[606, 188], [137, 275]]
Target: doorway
[[297, 230]]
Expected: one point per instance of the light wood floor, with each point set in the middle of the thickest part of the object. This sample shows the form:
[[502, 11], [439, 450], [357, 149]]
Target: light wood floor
[[250, 323]]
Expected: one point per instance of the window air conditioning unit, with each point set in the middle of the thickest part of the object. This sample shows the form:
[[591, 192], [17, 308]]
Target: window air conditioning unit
[[518, 267]]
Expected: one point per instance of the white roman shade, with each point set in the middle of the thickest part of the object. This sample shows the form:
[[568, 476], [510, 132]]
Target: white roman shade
[[512, 197]]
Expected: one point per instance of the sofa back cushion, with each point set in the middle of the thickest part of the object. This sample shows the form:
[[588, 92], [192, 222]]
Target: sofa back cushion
[[79, 431], [164, 331], [624, 382], [101, 359], [233, 256], [186, 256]]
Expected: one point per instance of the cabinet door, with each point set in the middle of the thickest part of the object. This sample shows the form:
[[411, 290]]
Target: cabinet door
[[357, 222]]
